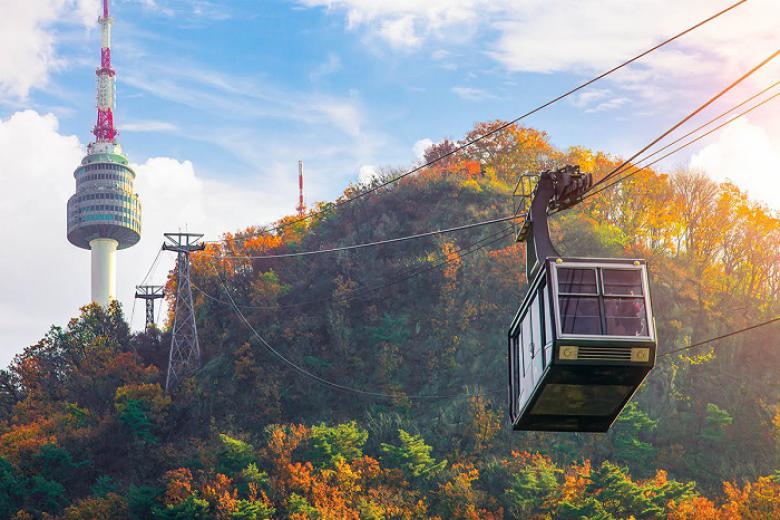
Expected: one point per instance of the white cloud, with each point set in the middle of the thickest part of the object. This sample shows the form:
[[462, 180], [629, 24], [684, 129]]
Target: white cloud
[[744, 154], [400, 32], [148, 126], [406, 23], [420, 147], [204, 89], [188, 9], [597, 100], [152, 5], [368, 172], [330, 66], [343, 114], [28, 43], [472, 94], [545, 36], [588, 97], [610, 104], [51, 276]]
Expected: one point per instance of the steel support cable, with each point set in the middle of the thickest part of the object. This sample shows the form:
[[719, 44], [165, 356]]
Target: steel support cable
[[148, 273], [620, 168], [346, 388], [729, 121], [357, 293], [504, 126], [708, 123], [588, 196], [685, 145], [421, 235], [319, 379], [723, 336], [373, 244]]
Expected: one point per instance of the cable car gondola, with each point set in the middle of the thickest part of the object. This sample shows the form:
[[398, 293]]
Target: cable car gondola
[[583, 339]]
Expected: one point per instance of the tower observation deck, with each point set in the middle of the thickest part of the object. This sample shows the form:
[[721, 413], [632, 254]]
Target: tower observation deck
[[104, 215]]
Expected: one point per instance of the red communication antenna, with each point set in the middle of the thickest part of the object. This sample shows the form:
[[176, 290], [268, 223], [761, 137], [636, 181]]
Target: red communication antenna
[[104, 129], [301, 206]]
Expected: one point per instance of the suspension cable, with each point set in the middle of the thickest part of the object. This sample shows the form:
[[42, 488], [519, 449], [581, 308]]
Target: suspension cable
[[506, 125], [687, 118], [708, 123], [149, 272], [338, 386], [718, 338], [319, 379], [358, 292], [373, 244], [685, 145], [593, 193]]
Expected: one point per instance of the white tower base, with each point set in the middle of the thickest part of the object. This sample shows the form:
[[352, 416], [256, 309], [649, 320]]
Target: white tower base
[[103, 270]]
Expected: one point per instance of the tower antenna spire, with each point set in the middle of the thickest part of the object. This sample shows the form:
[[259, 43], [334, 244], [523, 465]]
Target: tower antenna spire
[[106, 87], [105, 214], [301, 206]]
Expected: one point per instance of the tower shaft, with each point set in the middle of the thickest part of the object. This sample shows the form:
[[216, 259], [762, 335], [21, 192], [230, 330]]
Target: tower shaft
[[184, 357], [103, 270]]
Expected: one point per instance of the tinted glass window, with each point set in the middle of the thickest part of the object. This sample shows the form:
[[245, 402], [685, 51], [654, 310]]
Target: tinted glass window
[[577, 281], [625, 316], [548, 335], [558, 399], [579, 315], [622, 282], [527, 340], [536, 330]]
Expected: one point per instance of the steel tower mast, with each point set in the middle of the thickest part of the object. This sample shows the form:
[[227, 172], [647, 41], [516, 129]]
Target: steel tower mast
[[301, 206], [105, 214], [149, 293], [184, 356]]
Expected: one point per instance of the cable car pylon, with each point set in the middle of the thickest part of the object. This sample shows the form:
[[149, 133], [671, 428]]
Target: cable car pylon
[[584, 337], [149, 293], [184, 357]]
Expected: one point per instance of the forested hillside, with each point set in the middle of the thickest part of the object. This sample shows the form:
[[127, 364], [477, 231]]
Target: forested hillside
[[87, 432]]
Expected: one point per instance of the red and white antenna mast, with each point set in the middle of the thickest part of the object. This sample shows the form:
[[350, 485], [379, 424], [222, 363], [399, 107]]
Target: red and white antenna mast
[[301, 206], [106, 87]]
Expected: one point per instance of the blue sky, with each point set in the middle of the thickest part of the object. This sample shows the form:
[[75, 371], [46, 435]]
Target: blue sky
[[217, 101], [242, 88]]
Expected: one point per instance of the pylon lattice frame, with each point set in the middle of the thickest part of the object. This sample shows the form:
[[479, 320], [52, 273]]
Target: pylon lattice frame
[[149, 293], [184, 356]]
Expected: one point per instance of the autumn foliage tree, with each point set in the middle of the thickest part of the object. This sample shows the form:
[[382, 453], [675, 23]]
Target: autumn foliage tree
[[86, 430]]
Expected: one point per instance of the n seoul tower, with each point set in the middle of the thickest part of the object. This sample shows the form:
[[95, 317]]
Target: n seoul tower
[[105, 214]]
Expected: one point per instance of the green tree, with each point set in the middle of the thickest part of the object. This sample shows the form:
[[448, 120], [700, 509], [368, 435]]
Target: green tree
[[630, 428], [413, 456], [252, 510], [531, 487], [192, 508], [715, 423], [331, 444], [235, 455], [611, 494], [10, 489], [103, 485], [135, 418], [45, 495], [141, 501]]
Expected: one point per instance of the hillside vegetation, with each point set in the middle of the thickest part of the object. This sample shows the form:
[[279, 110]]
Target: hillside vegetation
[[86, 430]]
